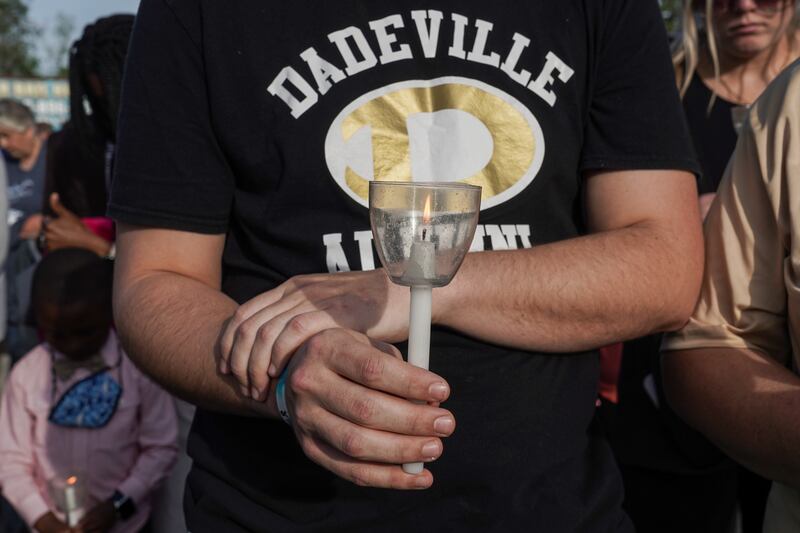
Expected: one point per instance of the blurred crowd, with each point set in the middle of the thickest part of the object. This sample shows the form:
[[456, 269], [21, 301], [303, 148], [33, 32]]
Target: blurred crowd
[[79, 423], [89, 443]]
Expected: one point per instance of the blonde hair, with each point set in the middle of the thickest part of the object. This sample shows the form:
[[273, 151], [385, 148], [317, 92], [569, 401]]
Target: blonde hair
[[686, 54]]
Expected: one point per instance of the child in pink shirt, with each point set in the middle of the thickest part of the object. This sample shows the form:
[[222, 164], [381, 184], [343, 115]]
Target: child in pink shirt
[[76, 406]]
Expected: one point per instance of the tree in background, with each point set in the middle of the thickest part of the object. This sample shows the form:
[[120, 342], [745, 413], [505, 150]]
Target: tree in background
[[671, 9], [17, 40], [18, 35], [60, 43]]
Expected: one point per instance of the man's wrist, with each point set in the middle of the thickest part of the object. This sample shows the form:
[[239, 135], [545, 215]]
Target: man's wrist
[[280, 398], [444, 299], [269, 407]]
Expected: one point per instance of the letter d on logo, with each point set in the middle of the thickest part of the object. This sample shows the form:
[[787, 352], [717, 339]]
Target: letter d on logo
[[447, 129]]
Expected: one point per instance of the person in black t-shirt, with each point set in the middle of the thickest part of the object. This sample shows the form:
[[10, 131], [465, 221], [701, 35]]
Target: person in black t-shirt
[[248, 135]]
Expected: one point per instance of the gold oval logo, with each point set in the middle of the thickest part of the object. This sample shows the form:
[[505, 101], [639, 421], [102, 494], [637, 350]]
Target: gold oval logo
[[447, 129]]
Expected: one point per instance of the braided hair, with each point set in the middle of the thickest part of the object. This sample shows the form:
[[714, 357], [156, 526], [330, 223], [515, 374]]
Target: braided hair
[[77, 164], [95, 79]]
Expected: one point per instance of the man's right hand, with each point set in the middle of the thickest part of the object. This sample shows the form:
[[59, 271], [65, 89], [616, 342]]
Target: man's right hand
[[49, 523], [350, 409], [349, 397]]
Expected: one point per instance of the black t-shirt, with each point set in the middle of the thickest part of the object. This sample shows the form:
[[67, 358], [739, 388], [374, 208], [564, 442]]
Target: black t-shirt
[[265, 121], [645, 432], [713, 133]]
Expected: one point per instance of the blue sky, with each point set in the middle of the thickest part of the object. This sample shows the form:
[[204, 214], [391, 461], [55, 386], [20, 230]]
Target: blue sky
[[82, 12]]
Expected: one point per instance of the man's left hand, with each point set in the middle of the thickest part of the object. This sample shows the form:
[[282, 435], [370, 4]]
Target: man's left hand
[[99, 519], [264, 332]]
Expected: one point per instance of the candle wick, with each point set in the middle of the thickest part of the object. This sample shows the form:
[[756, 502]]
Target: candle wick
[[424, 233]]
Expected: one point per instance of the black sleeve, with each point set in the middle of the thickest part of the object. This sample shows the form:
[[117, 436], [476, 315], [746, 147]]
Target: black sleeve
[[169, 171], [635, 119]]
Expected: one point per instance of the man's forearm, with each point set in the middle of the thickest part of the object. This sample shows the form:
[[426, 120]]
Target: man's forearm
[[169, 325], [576, 294], [745, 402]]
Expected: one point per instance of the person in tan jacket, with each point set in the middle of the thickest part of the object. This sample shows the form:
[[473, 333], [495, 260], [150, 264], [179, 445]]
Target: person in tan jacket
[[732, 371]]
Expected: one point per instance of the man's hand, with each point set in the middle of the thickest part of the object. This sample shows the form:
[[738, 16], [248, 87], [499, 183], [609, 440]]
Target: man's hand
[[67, 231], [49, 523], [99, 519], [264, 332], [349, 402]]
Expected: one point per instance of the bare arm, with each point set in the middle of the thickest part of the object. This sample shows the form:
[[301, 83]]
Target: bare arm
[[639, 271], [750, 409], [728, 371], [169, 311]]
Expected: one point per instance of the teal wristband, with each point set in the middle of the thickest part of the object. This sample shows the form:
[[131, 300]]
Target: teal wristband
[[280, 398]]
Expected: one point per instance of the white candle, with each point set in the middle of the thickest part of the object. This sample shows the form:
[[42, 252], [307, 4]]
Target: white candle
[[408, 246], [422, 267], [422, 263], [419, 327], [419, 341], [72, 506], [421, 271], [71, 494]]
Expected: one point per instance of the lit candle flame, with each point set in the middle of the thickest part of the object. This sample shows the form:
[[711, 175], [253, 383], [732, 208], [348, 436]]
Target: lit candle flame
[[426, 216], [72, 480]]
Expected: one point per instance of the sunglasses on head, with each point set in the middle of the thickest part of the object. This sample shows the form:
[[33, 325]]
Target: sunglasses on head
[[764, 6]]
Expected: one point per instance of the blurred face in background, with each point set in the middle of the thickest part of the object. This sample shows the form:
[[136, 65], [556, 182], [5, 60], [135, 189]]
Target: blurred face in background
[[747, 28], [20, 144], [76, 330]]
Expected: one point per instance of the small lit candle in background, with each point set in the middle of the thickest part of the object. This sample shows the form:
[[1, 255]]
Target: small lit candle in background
[[73, 507]]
